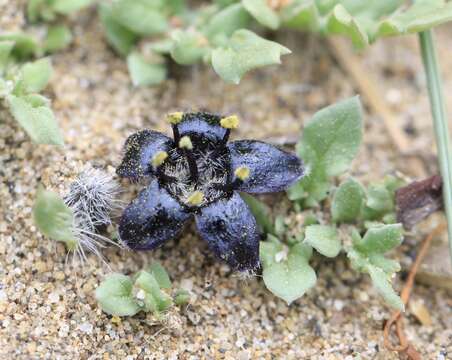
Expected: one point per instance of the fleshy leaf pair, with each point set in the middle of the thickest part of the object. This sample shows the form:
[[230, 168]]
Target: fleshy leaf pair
[[122, 295]]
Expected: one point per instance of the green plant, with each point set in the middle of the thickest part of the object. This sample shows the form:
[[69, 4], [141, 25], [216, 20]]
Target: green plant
[[20, 84], [216, 34], [122, 295], [361, 221], [22, 80], [52, 13]]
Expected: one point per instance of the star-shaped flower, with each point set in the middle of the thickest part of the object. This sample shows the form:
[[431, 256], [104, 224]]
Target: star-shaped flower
[[199, 174]]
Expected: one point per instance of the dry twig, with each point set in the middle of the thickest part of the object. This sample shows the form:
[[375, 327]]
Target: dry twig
[[405, 346]]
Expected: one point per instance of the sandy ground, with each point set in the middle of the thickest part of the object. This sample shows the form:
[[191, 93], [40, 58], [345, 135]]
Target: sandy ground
[[47, 307]]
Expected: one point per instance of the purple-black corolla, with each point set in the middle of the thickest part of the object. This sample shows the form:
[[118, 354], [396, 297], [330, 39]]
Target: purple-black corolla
[[199, 174]]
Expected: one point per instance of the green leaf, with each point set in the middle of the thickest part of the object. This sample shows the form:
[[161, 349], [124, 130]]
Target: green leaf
[[324, 239], [147, 282], [387, 265], [67, 7], [380, 270], [189, 47], [245, 51], [268, 250], [118, 36], [181, 297], [161, 46], [333, 136], [144, 73], [115, 296], [365, 22], [329, 143], [263, 13], [36, 100], [53, 217], [224, 23], [38, 121], [340, 21], [143, 17], [381, 239], [422, 15], [289, 279], [5, 50], [25, 46], [348, 201], [160, 274], [37, 9], [36, 75], [382, 283], [260, 211], [58, 38], [379, 198]]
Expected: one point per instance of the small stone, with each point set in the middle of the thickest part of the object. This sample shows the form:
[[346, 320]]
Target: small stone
[[86, 327], [420, 312], [54, 297]]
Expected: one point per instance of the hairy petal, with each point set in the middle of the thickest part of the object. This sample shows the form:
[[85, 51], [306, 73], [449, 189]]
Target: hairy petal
[[231, 232], [151, 219], [139, 150], [202, 125], [271, 169]]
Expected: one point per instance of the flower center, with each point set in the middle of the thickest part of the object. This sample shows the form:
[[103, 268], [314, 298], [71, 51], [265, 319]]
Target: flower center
[[196, 173]]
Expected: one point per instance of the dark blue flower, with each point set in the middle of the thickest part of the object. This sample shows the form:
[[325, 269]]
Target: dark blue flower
[[198, 174]]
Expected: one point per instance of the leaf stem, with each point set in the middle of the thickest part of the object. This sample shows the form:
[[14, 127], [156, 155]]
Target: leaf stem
[[438, 109]]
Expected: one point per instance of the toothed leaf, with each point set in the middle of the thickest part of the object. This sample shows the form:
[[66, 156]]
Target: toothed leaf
[[245, 51], [38, 121]]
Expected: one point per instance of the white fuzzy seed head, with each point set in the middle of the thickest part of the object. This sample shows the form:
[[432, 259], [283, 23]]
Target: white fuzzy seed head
[[93, 198]]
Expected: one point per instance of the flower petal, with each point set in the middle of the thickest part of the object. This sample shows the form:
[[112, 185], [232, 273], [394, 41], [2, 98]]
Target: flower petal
[[151, 219], [139, 150], [271, 169], [231, 232], [202, 124]]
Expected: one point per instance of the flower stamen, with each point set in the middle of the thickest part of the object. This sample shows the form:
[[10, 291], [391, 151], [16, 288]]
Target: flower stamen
[[196, 198], [187, 146], [242, 173], [174, 119], [229, 122], [185, 143], [159, 158]]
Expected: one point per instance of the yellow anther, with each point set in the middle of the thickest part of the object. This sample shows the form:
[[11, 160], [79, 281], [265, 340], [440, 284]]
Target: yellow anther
[[196, 198], [185, 143], [230, 122], [159, 158], [242, 172], [175, 117]]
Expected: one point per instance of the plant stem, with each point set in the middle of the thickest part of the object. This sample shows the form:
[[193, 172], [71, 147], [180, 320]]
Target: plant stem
[[438, 109]]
